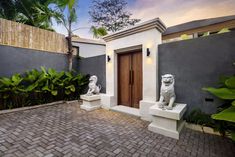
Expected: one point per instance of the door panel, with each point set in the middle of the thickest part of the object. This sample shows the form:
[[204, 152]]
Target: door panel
[[130, 79], [124, 91], [137, 79]]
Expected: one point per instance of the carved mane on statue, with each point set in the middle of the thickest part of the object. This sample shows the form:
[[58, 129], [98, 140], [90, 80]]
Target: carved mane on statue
[[93, 88], [167, 93]]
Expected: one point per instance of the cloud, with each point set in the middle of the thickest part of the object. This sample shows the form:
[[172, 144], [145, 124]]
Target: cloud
[[171, 12], [174, 12]]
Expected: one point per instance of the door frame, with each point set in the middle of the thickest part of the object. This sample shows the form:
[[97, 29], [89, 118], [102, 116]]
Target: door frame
[[128, 50]]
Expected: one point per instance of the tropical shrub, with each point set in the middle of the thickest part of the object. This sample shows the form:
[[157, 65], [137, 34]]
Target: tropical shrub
[[37, 87], [196, 116], [226, 112]]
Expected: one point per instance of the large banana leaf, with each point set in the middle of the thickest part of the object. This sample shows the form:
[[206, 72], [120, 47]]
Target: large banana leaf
[[5, 81], [71, 88], [54, 92], [32, 75], [16, 79], [223, 93], [52, 72], [226, 115], [31, 87], [44, 70], [46, 88]]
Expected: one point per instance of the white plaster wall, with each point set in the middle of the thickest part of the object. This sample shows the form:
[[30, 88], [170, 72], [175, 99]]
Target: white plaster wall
[[148, 39], [90, 50]]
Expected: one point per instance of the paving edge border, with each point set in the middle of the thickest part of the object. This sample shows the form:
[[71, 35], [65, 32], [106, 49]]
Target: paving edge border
[[36, 106], [203, 129]]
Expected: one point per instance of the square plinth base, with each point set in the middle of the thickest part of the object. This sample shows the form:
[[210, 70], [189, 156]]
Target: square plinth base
[[90, 103], [167, 122], [169, 132]]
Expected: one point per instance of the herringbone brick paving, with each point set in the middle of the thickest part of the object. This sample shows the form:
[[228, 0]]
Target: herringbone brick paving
[[65, 130]]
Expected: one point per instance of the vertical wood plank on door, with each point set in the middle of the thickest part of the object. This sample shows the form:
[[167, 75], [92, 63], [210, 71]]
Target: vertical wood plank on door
[[137, 79], [124, 62]]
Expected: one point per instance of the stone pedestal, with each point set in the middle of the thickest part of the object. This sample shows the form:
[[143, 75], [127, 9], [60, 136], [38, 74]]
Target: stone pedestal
[[90, 103], [167, 122]]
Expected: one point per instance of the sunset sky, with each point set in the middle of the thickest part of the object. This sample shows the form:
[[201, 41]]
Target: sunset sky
[[171, 12]]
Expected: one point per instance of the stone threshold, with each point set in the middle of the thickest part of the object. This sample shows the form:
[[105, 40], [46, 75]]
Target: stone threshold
[[126, 110], [35, 106]]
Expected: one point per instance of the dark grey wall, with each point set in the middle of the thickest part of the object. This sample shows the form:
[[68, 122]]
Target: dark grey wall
[[18, 60], [198, 63], [94, 66]]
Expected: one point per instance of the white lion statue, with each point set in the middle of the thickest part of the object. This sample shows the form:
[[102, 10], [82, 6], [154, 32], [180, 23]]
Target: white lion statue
[[93, 88], [167, 93]]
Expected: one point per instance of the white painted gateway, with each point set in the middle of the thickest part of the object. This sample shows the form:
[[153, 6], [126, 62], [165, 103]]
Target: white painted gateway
[[131, 68]]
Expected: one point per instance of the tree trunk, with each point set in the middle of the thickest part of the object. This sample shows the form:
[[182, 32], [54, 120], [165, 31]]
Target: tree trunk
[[70, 59], [70, 48]]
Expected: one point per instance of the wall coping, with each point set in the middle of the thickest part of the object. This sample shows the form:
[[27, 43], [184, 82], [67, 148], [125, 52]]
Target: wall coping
[[87, 41], [155, 23]]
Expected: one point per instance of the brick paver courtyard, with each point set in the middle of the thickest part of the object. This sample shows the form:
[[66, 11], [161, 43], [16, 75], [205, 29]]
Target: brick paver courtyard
[[65, 130]]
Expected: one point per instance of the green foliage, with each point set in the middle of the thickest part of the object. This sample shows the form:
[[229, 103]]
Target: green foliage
[[184, 37], [226, 115], [36, 87], [222, 93], [206, 34], [68, 12], [224, 30], [32, 12], [98, 32], [196, 116]]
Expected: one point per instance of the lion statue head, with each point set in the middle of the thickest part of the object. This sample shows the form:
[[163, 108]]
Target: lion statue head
[[168, 80]]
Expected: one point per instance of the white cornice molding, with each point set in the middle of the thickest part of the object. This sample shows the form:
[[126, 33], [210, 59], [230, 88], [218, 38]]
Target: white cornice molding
[[151, 24]]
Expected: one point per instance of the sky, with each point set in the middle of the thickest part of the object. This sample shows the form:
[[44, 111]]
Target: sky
[[171, 12]]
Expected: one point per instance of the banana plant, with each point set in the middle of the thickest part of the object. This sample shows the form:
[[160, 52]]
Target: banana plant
[[40, 86], [53, 80], [12, 88], [226, 92], [81, 82], [68, 86], [32, 78]]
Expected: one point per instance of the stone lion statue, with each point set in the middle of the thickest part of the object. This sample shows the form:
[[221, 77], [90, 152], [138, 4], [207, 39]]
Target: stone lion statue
[[167, 93], [93, 88]]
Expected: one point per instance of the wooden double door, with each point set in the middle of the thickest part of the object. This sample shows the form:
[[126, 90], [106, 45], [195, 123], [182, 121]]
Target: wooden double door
[[130, 79]]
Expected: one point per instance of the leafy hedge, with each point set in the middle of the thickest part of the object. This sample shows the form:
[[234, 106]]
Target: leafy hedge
[[38, 87]]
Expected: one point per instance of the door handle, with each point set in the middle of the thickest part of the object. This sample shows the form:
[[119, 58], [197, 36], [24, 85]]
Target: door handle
[[132, 77]]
